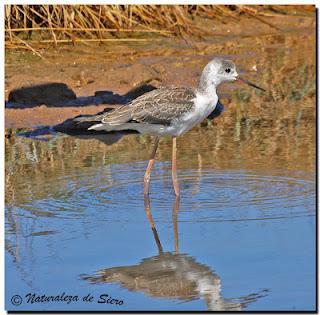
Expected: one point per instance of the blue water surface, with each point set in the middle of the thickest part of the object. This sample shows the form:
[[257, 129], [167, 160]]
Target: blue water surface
[[240, 240]]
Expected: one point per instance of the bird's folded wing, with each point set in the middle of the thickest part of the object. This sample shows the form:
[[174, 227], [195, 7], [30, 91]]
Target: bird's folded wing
[[159, 106], [118, 116], [163, 106]]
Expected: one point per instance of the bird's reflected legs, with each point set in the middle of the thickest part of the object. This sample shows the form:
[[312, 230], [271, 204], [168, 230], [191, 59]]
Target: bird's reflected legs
[[146, 180], [147, 209], [174, 167], [175, 211]]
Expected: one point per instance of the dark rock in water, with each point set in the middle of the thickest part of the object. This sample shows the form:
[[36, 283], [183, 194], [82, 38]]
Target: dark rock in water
[[50, 94]]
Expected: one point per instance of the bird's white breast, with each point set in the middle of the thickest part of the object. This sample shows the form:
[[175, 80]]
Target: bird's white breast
[[204, 105]]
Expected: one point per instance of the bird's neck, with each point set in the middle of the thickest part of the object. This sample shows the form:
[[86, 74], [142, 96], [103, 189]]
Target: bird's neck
[[208, 84], [206, 101], [208, 94]]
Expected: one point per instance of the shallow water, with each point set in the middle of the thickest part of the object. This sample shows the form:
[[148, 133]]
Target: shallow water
[[242, 236], [240, 239]]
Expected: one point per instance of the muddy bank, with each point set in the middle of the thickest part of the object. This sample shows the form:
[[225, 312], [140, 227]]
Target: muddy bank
[[265, 55]]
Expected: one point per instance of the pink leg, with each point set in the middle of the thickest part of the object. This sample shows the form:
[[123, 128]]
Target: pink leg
[[149, 168], [174, 167]]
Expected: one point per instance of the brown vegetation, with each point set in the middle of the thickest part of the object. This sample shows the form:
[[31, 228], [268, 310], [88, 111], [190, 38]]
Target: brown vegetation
[[29, 24]]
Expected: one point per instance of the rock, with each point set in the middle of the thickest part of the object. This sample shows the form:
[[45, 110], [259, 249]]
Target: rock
[[50, 94]]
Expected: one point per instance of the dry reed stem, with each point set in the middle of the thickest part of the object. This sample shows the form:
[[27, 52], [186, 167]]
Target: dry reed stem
[[32, 49], [64, 23], [91, 40], [87, 29], [253, 13]]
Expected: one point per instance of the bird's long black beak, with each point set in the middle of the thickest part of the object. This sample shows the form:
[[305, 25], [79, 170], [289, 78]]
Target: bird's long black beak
[[250, 83]]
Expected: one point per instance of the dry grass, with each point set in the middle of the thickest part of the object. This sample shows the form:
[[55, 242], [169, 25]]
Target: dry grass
[[71, 23]]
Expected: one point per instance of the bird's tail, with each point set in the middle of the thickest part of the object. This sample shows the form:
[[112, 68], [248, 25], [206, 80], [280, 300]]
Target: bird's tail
[[100, 127], [114, 120], [118, 116]]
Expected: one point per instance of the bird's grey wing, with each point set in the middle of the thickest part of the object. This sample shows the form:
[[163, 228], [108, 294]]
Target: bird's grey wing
[[162, 106], [159, 106], [123, 114], [119, 116]]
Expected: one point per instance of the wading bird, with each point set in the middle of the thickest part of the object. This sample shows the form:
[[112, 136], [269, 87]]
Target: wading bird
[[171, 111]]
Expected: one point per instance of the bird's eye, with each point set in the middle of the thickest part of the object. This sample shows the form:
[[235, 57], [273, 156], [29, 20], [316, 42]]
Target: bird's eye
[[227, 70]]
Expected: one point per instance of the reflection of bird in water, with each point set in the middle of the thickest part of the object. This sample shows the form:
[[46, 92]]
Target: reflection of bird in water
[[172, 275], [169, 111]]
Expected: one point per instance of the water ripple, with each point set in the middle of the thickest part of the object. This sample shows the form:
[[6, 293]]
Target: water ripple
[[114, 193]]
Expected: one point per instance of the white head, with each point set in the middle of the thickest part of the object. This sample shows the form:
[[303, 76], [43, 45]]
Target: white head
[[215, 72]]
